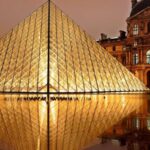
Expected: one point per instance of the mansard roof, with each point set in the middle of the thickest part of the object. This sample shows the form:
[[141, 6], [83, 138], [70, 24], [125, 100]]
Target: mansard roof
[[141, 5]]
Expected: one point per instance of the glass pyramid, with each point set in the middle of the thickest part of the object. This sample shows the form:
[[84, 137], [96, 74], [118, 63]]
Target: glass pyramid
[[77, 64], [59, 88]]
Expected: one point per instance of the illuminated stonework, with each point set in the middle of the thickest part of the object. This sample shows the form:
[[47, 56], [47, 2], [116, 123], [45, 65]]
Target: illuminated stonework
[[77, 65]]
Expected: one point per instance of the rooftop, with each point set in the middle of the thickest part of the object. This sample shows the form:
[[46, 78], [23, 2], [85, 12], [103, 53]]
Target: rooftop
[[141, 5]]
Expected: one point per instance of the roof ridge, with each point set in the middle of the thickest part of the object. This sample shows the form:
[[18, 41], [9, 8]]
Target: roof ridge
[[141, 5]]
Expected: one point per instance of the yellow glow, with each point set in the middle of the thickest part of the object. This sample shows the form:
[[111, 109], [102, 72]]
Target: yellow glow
[[75, 120], [43, 111], [53, 112], [77, 62], [123, 101]]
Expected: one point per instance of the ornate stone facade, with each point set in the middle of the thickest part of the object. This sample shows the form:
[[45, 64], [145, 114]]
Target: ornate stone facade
[[133, 51]]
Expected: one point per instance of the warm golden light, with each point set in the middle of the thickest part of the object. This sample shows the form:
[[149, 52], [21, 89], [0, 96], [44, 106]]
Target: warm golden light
[[77, 63], [47, 53], [74, 120], [43, 115]]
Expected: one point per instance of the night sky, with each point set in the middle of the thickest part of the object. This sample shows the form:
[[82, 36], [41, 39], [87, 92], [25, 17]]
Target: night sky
[[95, 16]]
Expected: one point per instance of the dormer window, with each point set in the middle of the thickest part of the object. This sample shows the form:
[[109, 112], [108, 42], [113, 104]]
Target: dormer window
[[135, 29]]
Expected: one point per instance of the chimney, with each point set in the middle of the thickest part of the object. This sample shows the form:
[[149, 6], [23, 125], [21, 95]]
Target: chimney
[[133, 2], [103, 36], [122, 35]]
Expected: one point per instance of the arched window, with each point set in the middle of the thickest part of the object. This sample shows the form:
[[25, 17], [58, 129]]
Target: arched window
[[136, 123], [135, 29], [148, 57], [135, 58], [148, 27]]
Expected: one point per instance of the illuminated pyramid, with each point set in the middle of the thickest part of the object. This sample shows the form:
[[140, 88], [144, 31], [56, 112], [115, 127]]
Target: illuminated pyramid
[[58, 101], [77, 63]]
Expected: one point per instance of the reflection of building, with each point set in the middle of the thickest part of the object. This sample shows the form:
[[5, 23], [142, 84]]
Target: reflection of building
[[134, 50], [134, 130]]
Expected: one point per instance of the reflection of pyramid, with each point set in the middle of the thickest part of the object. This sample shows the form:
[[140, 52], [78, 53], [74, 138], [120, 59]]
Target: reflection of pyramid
[[73, 123], [77, 63]]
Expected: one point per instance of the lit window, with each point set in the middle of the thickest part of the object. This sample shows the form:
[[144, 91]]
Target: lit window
[[135, 58], [135, 44], [148, 57], [136, 123], [148, 123], [124, 48], [135, 29]]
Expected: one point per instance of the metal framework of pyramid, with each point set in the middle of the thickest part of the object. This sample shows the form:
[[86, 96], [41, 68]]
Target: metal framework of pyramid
[[50, 70], [47, 49]]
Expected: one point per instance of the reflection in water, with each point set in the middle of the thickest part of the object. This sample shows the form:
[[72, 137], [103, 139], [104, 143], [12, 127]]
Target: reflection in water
[[53, 112], [123, 101], [75, 121], [43, 114]]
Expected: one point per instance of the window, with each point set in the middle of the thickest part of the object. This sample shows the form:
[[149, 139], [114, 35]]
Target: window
[[124, 60], [135, 58], [148, 82], [135, 29], [124, 48], [148, 57], [136, 146], [148, 123], [148, 27], [114, 48], [136, 123], [135, 44]]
